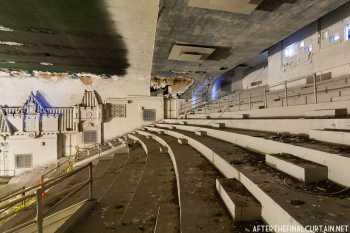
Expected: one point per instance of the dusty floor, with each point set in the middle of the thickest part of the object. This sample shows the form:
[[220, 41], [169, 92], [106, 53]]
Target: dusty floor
[[139, 196], [307, 204], [298, 140], [202, 208]]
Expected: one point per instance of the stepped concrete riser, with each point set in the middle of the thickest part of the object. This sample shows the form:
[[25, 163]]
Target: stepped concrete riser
[[176, 170], [144, 147], [336, 137], [290, 111], [218, 125], [182, 141], [163, 149], [307, 175], [339, 112], [272, 213], [250, 211], [294, 126], [338, 166], [201, 133]]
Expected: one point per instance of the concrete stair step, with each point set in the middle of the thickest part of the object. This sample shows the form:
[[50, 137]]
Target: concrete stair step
[[332, 136], [241, 204], [337, 163], [301, 169], [281, 204], [336, 112], [201, 133], [182, 141], [218, 125]]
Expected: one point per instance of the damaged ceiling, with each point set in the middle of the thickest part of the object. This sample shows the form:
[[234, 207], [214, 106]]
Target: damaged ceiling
[[234, 30], [61, 36], [195, 38]]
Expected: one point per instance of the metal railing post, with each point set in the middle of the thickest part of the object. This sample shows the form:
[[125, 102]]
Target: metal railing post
[[39, 210], [315, 89], [286, 92], [250, 101], [23, 195], [265, 97], [239, 101], [90, 181]]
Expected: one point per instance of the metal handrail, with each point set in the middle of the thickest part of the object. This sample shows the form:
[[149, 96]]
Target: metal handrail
[[40, 197], [237, 98]]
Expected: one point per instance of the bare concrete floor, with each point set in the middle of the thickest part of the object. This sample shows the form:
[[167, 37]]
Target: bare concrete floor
[[138, 197], [307, 206], [202, 208], [297, 140], [104, 170]]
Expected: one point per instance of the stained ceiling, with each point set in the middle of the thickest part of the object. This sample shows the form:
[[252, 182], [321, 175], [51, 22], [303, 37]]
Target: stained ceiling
[[237, 33], [206, 39], [60, 36]]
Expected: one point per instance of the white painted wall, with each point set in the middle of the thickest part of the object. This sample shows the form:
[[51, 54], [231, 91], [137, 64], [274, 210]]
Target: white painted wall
[[257, 75], [134, 117], [324, 56], [42, 154]]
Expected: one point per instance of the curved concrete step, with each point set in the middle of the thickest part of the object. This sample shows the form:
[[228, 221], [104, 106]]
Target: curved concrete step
[[281, 204], [341, 137], [240, 203], [337, 164], [293, 126], [176, 170], [301, 169], [201, 210]]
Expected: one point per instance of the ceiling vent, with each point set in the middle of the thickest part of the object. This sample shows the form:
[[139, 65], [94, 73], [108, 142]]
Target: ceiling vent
[[233, 6], [190, 53]]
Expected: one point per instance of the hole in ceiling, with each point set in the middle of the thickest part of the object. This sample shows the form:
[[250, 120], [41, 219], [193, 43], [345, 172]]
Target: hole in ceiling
[[233, 6], [272, 5], [190, 53], [200, 72], [220, 53], [10, 43], [223, 68]]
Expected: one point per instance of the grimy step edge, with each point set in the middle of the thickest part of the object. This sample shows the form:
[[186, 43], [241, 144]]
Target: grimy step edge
[[338, 165], [144, 147], [176, 170], [303, 170], [293, 126], [270, 208], [331, 136], [238, 200]]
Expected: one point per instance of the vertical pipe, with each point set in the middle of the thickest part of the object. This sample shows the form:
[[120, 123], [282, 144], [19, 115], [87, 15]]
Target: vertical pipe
[[250, 101], [239, 101], [286, 92], [265, 97], [39, 211], [91, 180], [315, 89]]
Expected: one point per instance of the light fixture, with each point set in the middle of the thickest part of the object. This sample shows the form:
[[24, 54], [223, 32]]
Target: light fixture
[[5, 29], [10, 43]]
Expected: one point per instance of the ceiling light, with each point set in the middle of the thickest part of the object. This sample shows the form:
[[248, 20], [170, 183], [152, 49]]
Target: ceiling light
[[46, 64], [10, 43], [5, 29]]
